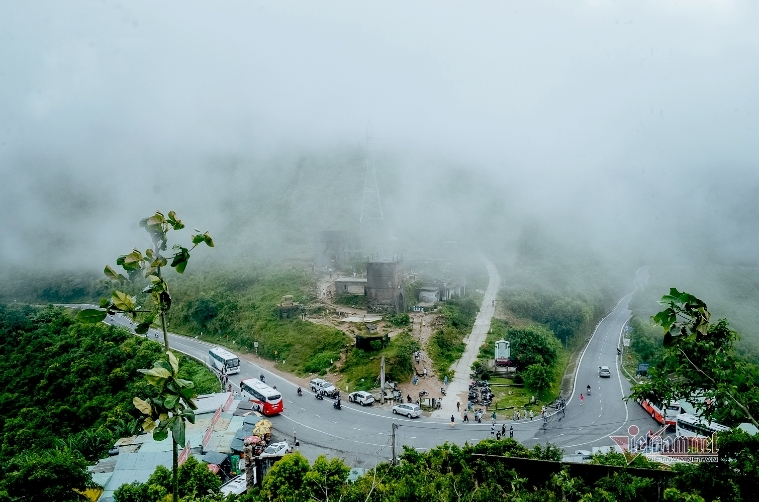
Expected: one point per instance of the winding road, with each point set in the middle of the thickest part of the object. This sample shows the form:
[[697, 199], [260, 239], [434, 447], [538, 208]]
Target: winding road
[[362, 436]]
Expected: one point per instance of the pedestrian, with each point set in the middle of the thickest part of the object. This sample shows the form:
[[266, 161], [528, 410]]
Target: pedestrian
[[519, 417], [445, 380], [494, 416], [458, 405], [530, 415], [295, 439], [503, 429], [451, 420], [492, 429], [582, 398], [466, 417], [498, 435], [425, 372], [511, 432]]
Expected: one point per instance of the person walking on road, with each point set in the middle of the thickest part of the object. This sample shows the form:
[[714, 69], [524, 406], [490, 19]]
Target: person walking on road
[[530, 415], [503, 430], [451, 420], [582, 398], [458, 405], [511, 432], [466, 417], [492, 429]]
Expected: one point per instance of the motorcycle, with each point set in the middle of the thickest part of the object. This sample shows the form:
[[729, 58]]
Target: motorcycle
[[319, 396], [588, 389], [300, 391], [336, 405], [442, 390]]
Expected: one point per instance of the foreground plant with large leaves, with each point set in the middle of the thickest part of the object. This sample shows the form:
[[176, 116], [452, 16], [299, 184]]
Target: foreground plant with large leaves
[[172, 407], [174, 403], [700, 364]]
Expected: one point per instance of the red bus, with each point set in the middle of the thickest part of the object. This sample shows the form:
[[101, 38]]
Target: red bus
[[667, 417], [266, 400]]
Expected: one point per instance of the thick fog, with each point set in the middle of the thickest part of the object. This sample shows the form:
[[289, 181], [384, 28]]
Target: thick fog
[[619, 130]]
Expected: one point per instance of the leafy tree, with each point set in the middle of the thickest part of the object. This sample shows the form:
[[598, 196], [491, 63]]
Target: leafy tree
[[533, 345], [195, 481], [55, 474], [700, 364], [537, 377], [173, 405], [326, 478], [285, 479]]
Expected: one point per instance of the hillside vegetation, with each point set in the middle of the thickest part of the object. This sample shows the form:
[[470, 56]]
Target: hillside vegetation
[[62, 379]]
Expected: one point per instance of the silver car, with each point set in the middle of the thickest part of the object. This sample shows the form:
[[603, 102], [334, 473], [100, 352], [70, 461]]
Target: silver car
[[318, 384], [604, 372], [361, 397], [410, 410]]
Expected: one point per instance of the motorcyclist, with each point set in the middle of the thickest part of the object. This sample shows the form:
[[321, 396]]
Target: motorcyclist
[[588, 389], [300, 391], [320, 394]]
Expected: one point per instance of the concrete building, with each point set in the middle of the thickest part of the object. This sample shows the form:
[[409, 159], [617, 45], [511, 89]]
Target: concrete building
[[384, 286], [289, 309], [350, 286]]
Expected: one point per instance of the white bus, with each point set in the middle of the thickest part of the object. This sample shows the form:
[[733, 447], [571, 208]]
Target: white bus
[[265, 399], [224, 361], [692, 426]]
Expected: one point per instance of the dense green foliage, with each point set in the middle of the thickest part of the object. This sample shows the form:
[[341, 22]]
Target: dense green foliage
[[699, 364], [361, 368], [48, 474], [446, 345], [237, 309], [63, 379], [194, 480]]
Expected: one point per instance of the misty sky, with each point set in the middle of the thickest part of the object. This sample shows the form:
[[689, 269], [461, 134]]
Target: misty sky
[[609, 124]]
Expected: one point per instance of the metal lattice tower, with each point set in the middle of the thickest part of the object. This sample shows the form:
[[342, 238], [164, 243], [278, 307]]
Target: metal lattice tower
[[371, 207]]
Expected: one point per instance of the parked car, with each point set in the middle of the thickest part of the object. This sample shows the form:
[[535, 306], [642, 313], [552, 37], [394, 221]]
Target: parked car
[[323, 385], [361, 397], [604, 371], [276, 449], [408, 409]]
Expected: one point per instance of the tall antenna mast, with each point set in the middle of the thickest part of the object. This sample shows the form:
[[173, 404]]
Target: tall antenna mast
[[371, 207]]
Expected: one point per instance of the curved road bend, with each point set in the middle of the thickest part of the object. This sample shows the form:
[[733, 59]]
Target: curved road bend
[[362, 435], [590, 423]]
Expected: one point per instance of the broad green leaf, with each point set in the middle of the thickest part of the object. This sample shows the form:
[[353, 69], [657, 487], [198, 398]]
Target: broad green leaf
[[149, 253], [112, 274], [208, 239], [105, 303], [171, 402], [162, 431], [142, 405], [157, 375], [148, 424], [156, 220], [123, 301], [162, 363], [160, 261], [173, 361], [180, 259], [189, 415], [175, 222], [187, 384], [142, 328], [197, 239], [177, 429], [91, 316]]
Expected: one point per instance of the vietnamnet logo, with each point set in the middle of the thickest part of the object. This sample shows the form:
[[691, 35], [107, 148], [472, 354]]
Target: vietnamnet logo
[[667, 449]]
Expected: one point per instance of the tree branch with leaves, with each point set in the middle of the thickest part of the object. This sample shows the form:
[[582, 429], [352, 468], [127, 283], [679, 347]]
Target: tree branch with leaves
[[173, 405], [700, 364]]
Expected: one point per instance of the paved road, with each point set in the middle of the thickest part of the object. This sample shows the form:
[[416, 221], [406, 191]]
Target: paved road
[[604, 412], [362, 436], [458, 389]]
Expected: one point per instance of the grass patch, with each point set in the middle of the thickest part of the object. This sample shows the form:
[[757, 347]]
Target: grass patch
[[352, 301], [446, 345], [205, 380], [361, 368]]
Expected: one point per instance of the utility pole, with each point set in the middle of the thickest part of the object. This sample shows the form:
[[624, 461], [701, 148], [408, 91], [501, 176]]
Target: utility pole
[[395, 462], [382, 380]]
